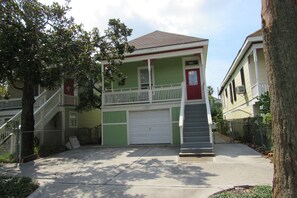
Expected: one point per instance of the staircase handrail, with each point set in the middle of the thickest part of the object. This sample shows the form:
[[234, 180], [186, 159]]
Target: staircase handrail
[[43, 106], [17, 117], [182, 111], [208, 112]]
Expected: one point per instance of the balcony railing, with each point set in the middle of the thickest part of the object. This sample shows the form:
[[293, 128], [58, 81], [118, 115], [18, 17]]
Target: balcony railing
[[163, 93], [259, 88]]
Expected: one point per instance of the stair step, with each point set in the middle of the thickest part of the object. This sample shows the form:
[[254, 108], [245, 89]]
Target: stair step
[[196, 134], [197, 154], [196, 139], [196, 129], [196, 145], [196, 124]]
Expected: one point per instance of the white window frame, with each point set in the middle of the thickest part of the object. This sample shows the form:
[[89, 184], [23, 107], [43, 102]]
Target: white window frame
[[75, 118], [152, 75]]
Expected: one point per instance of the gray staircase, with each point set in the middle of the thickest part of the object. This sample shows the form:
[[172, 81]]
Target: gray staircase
[[196, 139]]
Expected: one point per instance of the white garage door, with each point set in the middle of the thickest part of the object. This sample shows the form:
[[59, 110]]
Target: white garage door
[[149, 127]]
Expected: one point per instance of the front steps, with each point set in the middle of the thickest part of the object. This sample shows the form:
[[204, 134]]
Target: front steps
[[196, 132]]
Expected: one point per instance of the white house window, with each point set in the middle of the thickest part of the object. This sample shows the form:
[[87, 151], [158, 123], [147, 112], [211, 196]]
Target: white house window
[[143, 77], [72, 119]]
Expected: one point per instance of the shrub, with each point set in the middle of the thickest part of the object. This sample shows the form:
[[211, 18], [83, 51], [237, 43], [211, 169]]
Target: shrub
[[17, 186], [7, 158]]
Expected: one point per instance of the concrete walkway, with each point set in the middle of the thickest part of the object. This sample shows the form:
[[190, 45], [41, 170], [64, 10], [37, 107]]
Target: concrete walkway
[[144, 172]]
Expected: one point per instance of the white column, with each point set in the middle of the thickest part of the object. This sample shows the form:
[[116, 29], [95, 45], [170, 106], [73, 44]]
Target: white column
[[256, 70], [150, 80]]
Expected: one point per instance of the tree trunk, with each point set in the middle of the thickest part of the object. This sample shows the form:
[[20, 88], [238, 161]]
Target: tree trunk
[[27, 144], [279, 24]]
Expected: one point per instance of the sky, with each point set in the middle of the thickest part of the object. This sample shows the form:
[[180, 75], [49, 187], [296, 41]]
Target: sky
[[226, 23]]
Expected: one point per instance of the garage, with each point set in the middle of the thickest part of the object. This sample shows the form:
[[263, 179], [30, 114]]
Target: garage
[[149, 127]]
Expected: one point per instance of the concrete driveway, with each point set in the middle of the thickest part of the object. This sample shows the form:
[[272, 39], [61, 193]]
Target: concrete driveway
[[144, 172]]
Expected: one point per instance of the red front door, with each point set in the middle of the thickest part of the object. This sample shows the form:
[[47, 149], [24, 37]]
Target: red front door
[[193, 84]]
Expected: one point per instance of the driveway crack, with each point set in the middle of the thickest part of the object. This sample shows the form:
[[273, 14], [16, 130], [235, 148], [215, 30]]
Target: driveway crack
[[125, 167]]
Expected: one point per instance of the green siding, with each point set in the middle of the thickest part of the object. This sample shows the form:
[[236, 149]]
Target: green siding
[[168, 71], [114, 117], [175, 113], [175, 134], [115, 135], [131, 71]]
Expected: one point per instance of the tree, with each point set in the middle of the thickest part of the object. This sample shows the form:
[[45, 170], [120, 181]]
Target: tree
[[40, 44], [279, 25]]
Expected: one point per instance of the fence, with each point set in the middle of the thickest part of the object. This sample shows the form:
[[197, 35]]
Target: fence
[[46, 142], [250, 130]]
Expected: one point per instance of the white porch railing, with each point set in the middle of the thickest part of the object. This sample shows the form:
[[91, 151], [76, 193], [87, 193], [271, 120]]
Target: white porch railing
[[11, 103], [182, 113], [259, 88], [45, 112], [135, 95], [5, 129], [16, 103], [208, 112]]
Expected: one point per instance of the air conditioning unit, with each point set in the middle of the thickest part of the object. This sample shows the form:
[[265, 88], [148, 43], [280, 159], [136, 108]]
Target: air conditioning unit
[[240, 89]]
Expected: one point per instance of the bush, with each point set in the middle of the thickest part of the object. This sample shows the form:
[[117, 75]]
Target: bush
[[7, 158], [17, 186]]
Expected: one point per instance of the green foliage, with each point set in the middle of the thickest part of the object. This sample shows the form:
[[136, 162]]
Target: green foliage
[[17, 186], [254, 192], [215, 107], [264, 103], [7, 158]]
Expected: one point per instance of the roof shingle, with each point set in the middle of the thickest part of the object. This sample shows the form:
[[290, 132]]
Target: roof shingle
[[161, 39]]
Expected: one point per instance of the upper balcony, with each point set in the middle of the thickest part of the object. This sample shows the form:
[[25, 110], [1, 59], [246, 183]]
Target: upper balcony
[[162, 93], [259, 89], [16, 103]]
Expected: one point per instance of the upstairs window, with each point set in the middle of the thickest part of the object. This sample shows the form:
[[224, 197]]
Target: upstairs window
[[231, 94], [143, 77], [234, 92], [242, 76]]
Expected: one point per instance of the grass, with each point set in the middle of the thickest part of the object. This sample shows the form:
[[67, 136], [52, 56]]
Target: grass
[[250, 192], [17, 186]]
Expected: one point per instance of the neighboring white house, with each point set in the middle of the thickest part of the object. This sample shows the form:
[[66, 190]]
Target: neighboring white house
[[245, 80]]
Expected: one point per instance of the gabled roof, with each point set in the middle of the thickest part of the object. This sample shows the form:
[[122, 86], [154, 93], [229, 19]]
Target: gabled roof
[[257, 33], [162, 39], [256, 37]]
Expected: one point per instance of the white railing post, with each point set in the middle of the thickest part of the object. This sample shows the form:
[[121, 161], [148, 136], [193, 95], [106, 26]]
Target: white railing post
[[208, 112], [182, 112]]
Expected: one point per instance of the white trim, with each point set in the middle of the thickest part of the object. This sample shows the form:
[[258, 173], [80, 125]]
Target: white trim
[[138, 75], [116, 123], [163, 55], [128, 127], [141, 107], [243, 53], [170, 127], [202, 80], [168, 48]]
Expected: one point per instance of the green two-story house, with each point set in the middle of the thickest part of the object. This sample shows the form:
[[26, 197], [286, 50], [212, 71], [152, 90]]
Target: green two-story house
[[164, 99]]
